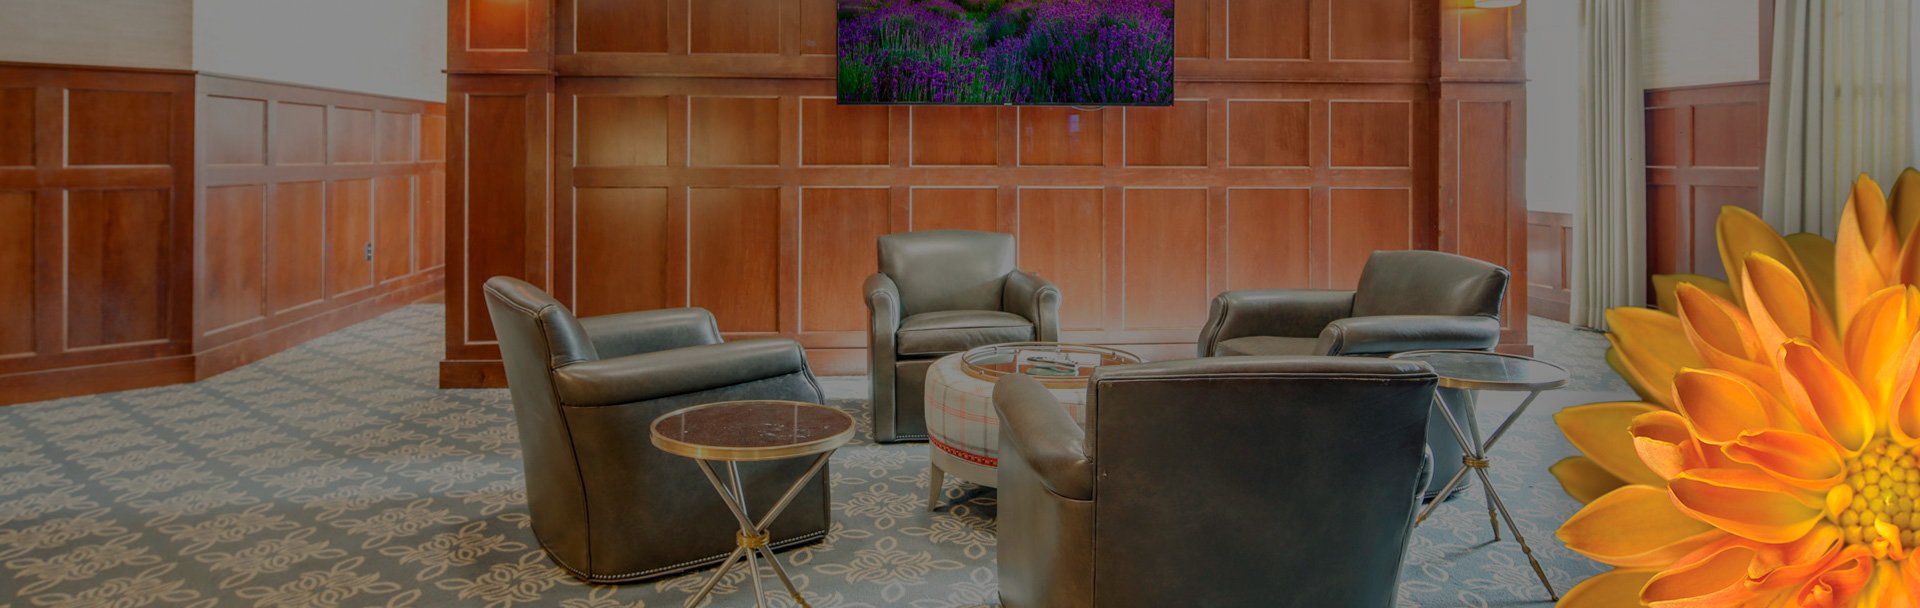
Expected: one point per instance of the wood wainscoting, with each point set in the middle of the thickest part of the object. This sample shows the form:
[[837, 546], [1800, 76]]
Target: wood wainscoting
[[160, 227], [637, 155], [1706, 149], [1549, 263]]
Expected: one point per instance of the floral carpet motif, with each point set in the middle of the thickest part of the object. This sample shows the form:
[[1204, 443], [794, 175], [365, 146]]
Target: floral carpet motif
[[335, 474]]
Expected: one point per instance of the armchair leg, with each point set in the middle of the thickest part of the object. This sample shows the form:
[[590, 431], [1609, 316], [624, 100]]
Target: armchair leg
[[936, 485]]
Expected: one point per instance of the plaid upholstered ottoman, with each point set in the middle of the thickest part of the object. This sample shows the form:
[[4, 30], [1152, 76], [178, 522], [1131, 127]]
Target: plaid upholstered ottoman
[[963, 431]]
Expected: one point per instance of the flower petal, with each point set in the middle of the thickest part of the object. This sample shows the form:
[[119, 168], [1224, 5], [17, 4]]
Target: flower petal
[[1665, 284], [1601, 431], [1905, 203], [1640, 385], [1840, 582], [1653, 344], [1635, 527], [1584, 480], [1782, 309], [1789, 565], [1740, 234], [1877, 340], [1748, 504], [1721, 406], [1713, 576], [1721, 334], [1801, 460], [1816, 258], [1827, 401], [1903, 422], [1866, 254], [1610, 589], [1665, 443]]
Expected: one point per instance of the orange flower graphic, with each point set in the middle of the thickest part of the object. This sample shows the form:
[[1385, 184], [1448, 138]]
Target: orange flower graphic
[[1775, 457]]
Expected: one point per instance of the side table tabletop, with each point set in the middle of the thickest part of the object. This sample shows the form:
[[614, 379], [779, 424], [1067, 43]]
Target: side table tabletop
[[750, 431], [1488, 371]]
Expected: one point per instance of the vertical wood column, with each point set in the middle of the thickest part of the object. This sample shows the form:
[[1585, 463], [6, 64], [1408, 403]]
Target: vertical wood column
[[499, 173], [1480, 173]]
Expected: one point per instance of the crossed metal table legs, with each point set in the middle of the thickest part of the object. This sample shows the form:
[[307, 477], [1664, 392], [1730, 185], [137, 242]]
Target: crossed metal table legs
[[1476, 460], [752, 537]]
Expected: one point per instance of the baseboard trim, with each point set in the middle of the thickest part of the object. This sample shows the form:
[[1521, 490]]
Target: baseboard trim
[[41, 385]]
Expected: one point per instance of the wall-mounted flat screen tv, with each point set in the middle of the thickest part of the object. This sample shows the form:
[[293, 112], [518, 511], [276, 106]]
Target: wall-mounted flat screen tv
[[1006, 52]]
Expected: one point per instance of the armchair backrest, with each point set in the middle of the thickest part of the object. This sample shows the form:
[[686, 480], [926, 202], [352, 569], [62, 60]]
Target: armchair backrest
[[1218, 480], [536, 335], [1429, 283], [948, 269]]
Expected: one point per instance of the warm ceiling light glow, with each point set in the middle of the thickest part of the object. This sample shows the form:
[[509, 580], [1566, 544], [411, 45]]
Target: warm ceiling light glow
[[1496, 3]]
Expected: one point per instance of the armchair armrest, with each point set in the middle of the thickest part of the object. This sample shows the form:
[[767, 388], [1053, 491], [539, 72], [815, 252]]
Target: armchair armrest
[[1037, 299], [1400, 333], [644, 377], [883, 301], [647, 331], [1287, 313], [1032, 422]]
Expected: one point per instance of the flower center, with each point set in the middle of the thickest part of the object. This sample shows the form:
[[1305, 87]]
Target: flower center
[[1885, 479]]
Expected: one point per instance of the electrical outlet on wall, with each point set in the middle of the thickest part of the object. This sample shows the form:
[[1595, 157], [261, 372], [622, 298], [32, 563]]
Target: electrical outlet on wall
[[369, 250]]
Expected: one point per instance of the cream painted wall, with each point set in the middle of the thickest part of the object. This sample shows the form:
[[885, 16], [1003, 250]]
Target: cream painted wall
[[1691, 42], [1553, 105], [387, 47], [120, 33]]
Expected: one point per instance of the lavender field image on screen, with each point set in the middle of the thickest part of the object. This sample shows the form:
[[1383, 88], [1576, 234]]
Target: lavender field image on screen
[[1084, 52]]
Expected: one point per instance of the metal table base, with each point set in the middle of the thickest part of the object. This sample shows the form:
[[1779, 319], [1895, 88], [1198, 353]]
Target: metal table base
[[752, 537], [1476, 460]]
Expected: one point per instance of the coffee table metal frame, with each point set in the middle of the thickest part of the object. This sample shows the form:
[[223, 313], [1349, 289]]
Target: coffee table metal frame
[[752, 537], [1475, 457]]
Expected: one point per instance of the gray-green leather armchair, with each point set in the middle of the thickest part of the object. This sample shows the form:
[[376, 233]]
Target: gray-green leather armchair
[[937, 293], [607, 506], [1235, 481], [1406, 300]]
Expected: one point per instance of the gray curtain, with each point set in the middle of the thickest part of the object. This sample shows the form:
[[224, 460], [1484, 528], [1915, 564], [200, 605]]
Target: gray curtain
[[1841, 105], [1610, 230]]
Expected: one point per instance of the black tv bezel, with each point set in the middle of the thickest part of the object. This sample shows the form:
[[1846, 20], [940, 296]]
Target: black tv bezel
[[1173, 77]]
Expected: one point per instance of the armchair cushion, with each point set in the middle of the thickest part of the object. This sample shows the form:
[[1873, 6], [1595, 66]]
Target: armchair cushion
[[1393, 334], [633, 333], [1266, 346], [1034, 425], [952, 331], [644, 377], [1286, 313]]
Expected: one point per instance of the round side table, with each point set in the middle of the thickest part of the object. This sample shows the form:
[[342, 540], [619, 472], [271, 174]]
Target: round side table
[[748, 431], [963, 430], [1473, 370]]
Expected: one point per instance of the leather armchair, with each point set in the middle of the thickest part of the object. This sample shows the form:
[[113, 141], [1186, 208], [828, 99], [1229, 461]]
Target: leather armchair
[[937, 293], [1407, 300], [607, 506], [1307, 498]]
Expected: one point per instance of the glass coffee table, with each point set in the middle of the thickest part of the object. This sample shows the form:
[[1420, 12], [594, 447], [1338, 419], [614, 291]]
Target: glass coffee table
[[963, 430], [750, 431], [1473, 370]]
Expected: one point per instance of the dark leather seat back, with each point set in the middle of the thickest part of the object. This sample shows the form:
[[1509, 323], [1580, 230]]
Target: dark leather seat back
[[1429, 283], [940, 270], [1244, 481]]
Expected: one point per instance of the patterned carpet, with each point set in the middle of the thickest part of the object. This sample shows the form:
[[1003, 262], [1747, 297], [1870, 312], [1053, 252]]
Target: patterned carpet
[[335, 474]]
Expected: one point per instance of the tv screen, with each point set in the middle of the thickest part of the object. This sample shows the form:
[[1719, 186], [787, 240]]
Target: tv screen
[[1025, 52]]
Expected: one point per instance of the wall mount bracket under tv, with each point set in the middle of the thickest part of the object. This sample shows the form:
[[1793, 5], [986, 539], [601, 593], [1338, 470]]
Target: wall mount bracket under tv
[[1006, 52]]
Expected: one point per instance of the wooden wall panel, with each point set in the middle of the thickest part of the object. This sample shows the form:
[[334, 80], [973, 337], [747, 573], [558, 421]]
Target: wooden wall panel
[[397, 136], [430, 221], [1059, 240], [236, 131], [298, 255], [118, 128], [233, 262], [1308, 133], [17, 272], [118, 254], [1269, 238], [16, 127], [1166, 233], [1706, 148], [299, 134], [392, 227], [955, 209], [735, 256], [350, 135], [1549, 264], [622, 235], [349, 230], [839, 232]]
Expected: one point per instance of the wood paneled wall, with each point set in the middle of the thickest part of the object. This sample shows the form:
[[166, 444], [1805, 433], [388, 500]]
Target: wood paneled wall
[[633, 155], [318, 209], [158, 227], [96, 221], [1706, 148], [1549, 264]]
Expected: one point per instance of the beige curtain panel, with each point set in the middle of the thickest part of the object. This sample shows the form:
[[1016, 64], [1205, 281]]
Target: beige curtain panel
[[1841, 104], [1610, 229]]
